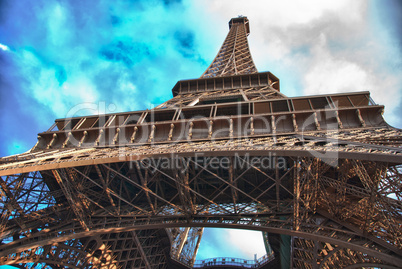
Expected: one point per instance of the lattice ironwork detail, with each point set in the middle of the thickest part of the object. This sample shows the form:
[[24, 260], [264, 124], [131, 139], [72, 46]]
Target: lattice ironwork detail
[[234, 57]]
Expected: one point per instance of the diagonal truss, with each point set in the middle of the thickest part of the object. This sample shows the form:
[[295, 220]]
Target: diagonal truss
[[309, 200]]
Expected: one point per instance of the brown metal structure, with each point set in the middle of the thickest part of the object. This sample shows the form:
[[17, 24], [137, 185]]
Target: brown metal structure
[[319, 175]]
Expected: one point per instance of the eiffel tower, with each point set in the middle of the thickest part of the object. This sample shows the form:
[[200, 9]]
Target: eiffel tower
[[320, 176]]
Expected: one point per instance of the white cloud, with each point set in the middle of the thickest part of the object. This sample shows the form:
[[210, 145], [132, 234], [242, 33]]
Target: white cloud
[[235, 243], [329, 70], [4, 47], [326, 73], [125, 93], [58, 23], [248, 242], [43, 86], [282, 13]]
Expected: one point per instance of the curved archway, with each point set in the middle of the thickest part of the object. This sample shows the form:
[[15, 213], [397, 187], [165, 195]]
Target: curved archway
[[300, 200], [224, 223]]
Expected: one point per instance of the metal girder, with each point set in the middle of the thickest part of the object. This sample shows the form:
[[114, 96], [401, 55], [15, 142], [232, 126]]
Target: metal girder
[[185, 243], [225, 223], [69, 188], [106, 251], [271, 211], [330, 147], [139, 246], [71, 254]]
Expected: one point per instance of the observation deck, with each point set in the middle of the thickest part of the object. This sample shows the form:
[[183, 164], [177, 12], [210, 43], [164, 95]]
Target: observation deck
[[225, 262]]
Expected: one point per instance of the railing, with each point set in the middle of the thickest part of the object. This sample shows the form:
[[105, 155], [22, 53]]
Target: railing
[[235, 262]]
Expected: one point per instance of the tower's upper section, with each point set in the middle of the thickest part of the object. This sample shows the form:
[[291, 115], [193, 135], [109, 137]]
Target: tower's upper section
[[230, 101], [234, 57], [242, 20]]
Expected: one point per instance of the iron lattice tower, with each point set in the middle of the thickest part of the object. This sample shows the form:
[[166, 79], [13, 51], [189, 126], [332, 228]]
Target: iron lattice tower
[[319, 175]]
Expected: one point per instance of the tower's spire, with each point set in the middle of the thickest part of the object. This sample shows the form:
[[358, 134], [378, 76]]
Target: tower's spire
[[234, 57]]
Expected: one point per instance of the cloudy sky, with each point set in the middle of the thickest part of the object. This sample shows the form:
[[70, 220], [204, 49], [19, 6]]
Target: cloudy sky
[[68, 58]]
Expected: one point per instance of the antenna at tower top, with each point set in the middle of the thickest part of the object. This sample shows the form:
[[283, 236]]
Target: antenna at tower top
[[240, 19]]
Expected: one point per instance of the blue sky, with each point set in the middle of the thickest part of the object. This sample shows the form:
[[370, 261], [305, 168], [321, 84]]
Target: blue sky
[[63, 58]]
